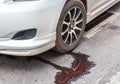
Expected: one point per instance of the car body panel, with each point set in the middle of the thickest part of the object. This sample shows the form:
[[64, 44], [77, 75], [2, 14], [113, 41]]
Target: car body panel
[[96, 7], [18, 16], [42, 15]]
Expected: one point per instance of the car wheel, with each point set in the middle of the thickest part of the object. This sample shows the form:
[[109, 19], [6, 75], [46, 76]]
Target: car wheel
[[71, 26]]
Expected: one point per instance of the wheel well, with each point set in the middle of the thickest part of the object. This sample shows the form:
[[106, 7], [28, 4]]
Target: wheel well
[[84, 2]]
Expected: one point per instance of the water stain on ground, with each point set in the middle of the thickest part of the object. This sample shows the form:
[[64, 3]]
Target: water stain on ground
[[80, 66], [114, 27]]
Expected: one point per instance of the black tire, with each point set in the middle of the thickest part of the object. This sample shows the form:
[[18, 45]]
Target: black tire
[[62, 45]]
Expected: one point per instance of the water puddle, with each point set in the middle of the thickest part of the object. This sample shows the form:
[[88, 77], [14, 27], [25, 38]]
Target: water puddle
[[80, 66]]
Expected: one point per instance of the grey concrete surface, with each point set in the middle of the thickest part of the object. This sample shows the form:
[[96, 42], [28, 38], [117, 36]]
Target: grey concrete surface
[[103, 48]]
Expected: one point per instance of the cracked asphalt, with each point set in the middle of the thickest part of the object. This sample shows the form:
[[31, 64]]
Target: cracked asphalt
[[101, 43]]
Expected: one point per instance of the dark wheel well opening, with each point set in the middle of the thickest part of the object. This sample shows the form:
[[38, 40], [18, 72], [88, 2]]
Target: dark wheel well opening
[[84, 2]]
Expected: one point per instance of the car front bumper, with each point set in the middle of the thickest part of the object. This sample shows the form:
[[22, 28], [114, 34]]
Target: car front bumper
[[42, 15], [28, 47]]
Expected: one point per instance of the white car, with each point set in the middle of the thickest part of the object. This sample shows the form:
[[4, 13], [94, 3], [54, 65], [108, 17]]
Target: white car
[[30, 27]]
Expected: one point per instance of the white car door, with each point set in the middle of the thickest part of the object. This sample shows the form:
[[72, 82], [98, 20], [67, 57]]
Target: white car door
[[96, 7], [95, 4]]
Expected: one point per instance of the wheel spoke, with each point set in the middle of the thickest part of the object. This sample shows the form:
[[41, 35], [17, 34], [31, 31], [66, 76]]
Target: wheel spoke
[[66, 23], [66, 39], [78, 15], [70, 15], [77, 22], [75, 11], [63, 33], [71, 38], [77, 28], [75, 34]]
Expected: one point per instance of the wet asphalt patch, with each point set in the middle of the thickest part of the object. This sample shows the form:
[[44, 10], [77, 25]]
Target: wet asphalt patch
[[80, 66]]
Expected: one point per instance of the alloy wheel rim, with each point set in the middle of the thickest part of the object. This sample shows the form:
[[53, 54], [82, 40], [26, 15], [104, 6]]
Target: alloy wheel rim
[[72, 26]]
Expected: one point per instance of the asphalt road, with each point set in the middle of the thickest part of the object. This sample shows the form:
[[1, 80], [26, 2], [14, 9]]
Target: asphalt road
[[99, 51]]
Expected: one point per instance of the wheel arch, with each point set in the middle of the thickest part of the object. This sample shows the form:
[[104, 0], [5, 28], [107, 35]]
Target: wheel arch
[[83, 1]]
